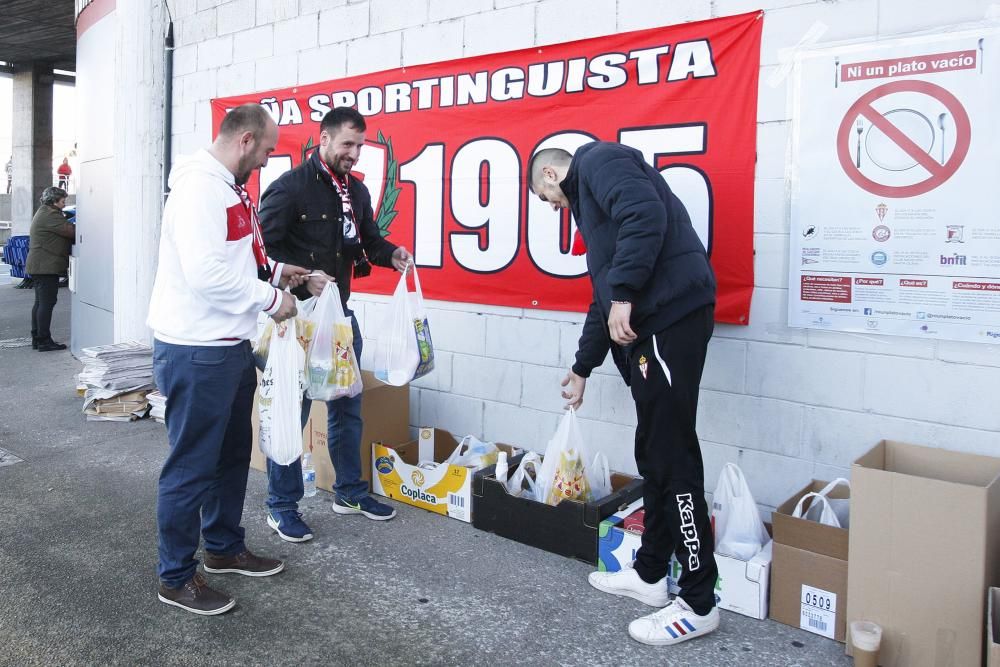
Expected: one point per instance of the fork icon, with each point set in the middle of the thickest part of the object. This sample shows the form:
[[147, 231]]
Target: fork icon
[[860, 126]]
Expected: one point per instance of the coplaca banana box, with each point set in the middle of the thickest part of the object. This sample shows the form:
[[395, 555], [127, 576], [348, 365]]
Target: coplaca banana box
[[414, 473]]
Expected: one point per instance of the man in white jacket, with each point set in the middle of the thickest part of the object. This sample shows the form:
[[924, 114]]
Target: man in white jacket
[[212, 280]]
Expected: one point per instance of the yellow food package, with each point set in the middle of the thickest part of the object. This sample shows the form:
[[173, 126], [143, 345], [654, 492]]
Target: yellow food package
[[570, 482], [343, 373]]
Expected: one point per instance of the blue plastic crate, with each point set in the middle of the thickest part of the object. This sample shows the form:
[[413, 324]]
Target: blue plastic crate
[[15, 253]]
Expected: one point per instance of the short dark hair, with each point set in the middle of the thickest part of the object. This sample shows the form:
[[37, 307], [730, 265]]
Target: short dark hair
[[52, 194], [339, 116], [248, 117], [544, 158]]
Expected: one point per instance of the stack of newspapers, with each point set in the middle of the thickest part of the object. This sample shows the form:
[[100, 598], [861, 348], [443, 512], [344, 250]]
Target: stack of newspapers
[[117, 379], [157, 406]]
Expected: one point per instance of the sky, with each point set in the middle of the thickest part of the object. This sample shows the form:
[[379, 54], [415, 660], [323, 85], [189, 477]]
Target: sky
[[63, 121]]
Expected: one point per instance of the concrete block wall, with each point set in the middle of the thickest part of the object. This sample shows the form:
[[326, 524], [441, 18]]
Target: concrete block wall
[[785, 404]]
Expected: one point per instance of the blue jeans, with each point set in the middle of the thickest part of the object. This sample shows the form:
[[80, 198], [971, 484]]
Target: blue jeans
[[343, 434], [203, 483]]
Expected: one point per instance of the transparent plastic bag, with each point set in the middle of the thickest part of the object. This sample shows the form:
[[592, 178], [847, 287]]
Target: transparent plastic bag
[[473, 453], [565, 473], [823, 509], [280, 403], [305, 329], [522, 480], [332, 370], [404, 350]]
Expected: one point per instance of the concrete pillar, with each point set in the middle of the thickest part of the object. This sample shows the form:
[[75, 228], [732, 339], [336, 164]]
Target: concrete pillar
[[138, 141], [32, 141]]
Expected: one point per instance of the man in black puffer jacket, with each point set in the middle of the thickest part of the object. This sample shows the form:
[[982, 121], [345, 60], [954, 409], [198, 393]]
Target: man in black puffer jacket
[[319, 216], [653, 307]]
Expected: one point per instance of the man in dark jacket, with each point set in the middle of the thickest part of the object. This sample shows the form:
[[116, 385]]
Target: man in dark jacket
[[48, 259], [317, 215], [653, 307]]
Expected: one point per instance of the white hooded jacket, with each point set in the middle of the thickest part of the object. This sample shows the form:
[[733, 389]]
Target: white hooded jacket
[[207, 291]]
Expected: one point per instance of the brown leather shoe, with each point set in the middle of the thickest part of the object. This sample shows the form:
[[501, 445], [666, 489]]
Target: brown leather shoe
[[243, 563], [197, 597]]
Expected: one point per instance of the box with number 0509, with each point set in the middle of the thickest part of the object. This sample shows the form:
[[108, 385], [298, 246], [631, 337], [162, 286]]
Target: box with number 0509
[[809, 571]]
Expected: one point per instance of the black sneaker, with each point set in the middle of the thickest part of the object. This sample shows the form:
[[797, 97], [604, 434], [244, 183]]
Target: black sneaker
[[366, 506], [243, 563], [197, 597], [49, 346]]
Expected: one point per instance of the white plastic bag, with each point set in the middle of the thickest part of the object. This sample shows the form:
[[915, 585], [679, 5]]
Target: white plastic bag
[[332, 370], [473, 453], [403, 347], [569, 471], [828, 511], [522, 481], [739, 530], [599, 474], [280, 403]]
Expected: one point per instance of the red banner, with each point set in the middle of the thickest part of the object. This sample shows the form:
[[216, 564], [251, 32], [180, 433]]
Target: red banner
[[449, 143]]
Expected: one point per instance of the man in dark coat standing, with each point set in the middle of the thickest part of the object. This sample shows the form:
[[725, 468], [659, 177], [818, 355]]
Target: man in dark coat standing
[[320, 216], [653, 307], [48, 259]]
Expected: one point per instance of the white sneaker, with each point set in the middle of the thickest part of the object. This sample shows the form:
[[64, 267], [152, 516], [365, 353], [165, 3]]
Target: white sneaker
[[627, 582], [673, 624]]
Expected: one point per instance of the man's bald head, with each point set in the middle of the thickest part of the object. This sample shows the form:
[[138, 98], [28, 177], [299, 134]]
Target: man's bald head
[[546, 172], [247, 136], [547, 157], [248, 117]]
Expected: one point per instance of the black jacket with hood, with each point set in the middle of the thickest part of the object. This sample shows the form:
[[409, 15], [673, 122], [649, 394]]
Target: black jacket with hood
[[641, 248], [300, 218]]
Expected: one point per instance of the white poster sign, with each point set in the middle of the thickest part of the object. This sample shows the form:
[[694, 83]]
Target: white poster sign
[[895, 218]]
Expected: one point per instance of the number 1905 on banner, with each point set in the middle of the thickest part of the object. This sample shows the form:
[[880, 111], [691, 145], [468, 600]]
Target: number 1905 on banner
[[486, 179]]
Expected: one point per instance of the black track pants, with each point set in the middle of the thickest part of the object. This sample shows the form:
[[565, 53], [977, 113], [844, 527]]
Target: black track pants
[[666, 372]]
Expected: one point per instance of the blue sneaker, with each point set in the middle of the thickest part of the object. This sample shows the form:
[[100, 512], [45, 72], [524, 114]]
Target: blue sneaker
[[289, 525], [366, 505]]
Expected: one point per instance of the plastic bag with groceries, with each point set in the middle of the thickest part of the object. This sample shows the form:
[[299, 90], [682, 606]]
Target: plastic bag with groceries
[[570, 471]]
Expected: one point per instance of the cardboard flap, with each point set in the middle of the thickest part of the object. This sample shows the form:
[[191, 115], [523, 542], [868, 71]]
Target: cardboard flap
[[627, 489], [932, 463]]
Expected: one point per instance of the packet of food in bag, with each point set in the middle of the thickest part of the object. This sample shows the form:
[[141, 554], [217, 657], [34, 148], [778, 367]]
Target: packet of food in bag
[[570, 482]]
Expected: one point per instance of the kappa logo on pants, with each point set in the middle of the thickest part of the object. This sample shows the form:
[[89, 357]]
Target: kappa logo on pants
[[643, 366], [688, 530]]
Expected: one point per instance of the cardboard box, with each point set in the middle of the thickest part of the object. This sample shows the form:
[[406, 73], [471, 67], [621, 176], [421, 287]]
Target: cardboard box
[[440, 488], [742, 586], [385, 412], [568, 529], [618, 544], [809, 571], [925, 536], [809, 591], [993, 628]]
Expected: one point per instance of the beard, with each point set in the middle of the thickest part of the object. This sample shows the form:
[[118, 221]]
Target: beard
[[243, 171], [339, 166]]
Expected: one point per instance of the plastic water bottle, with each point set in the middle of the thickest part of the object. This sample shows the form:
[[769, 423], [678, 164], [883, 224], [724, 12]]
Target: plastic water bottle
[[308, 476], [501, 469]]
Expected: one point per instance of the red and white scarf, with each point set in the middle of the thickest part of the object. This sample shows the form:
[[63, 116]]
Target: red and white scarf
[[259, 254], [343, 189]]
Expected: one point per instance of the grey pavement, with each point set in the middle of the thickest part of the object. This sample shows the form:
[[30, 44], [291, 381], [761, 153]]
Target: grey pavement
[[78, 550]]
